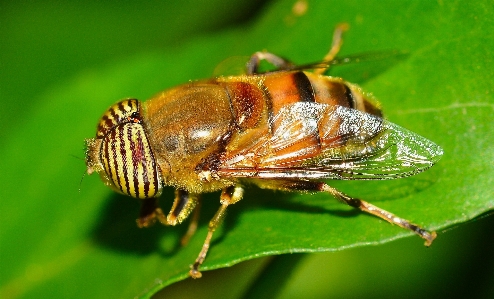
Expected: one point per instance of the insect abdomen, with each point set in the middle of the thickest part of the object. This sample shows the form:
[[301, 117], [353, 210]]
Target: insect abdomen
[[290, 87], [283, 89]]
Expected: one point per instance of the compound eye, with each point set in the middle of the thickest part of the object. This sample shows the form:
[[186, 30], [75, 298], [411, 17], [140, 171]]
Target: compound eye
[[121, 152], [129, 163], [120, 113]]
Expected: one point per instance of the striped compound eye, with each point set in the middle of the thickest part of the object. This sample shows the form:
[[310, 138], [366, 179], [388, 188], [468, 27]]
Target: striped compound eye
[[121, 153]]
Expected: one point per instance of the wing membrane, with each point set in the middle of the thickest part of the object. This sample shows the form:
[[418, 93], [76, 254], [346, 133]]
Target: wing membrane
[[363, 57], [320, 141]]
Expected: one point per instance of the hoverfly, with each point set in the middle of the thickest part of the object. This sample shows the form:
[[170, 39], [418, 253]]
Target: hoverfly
[[287, 129]]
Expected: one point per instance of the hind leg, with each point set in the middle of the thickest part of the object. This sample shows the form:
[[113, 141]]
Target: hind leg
[[364, 206]]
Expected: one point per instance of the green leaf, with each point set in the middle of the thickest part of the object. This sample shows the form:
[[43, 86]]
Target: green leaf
[[57, 241]]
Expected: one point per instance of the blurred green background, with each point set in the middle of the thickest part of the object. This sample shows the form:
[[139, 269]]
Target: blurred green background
[[63, 63]]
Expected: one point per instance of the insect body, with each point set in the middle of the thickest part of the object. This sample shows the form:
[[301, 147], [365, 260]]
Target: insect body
[[287, 130]]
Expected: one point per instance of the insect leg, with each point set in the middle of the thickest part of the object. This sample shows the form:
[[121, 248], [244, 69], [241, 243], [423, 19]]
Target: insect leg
[[256, 58], [150, 211], [362, 205], [183, 204], [335, 46], [191, 230], [229, 195]]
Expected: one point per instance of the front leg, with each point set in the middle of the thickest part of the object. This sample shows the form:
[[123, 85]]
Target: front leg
[[183, 205], [150, 212]]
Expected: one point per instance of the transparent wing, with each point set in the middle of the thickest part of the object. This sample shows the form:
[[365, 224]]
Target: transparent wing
[[358, 58], [232, 66], [316, 141], [236, 65]]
